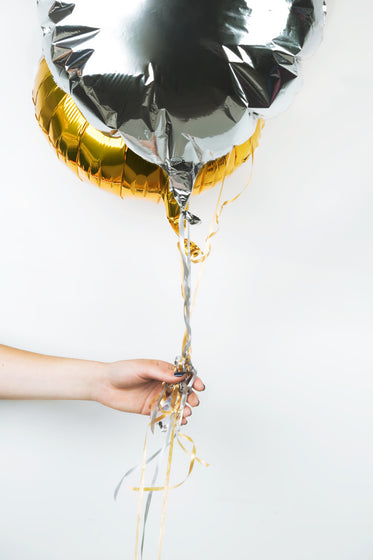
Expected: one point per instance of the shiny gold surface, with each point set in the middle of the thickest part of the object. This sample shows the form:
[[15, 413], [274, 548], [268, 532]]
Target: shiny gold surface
[[106, 161]]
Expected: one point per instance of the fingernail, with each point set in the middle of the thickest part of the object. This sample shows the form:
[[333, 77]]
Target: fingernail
[[179, 374]]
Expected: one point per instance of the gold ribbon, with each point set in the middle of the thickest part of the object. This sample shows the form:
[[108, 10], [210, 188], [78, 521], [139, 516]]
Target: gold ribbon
[[193, 458]]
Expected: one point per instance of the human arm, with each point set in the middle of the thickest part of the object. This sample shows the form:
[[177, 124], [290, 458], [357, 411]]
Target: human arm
[[127, 385]]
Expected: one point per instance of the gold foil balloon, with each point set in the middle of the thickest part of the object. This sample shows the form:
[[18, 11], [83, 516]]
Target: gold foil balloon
[[106, 161]]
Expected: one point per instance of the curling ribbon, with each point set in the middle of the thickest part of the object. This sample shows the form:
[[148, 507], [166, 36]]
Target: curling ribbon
[[173, 433], [215, 223], [201, 258], [178, 399]]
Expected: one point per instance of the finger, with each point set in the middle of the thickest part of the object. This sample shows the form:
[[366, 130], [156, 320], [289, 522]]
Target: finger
[[187, 412], [198, 384], [192, 399], [184, 421]]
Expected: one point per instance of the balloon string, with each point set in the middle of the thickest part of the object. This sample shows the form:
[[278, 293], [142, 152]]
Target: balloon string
[[215, 223], [141, 497], [214, 229], [186, 284], [174, 418], [174, 411], [150, 494]]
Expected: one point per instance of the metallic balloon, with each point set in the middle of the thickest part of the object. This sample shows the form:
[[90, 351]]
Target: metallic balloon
[[183, 81], [106, 161]]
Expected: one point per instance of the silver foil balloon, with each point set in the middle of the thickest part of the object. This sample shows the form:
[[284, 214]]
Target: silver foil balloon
[[182, 81]]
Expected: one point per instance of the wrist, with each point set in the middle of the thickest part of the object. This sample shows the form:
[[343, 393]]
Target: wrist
[[91, 380]]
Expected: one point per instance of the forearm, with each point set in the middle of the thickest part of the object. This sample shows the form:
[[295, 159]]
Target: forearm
[[26, 375]]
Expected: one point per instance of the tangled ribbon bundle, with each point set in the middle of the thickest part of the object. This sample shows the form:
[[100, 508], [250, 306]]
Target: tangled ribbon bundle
[[167, 409]]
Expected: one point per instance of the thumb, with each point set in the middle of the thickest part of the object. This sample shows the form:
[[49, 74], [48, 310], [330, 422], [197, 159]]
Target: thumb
[[162, 371]]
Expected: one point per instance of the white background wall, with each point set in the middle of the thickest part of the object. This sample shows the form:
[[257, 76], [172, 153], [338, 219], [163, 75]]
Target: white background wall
[[282, 330]]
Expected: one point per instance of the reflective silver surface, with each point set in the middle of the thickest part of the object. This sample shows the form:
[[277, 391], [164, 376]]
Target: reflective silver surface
[[183, 81]]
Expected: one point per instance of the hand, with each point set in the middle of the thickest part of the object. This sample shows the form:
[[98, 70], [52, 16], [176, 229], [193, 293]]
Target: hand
[[133, 385]]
